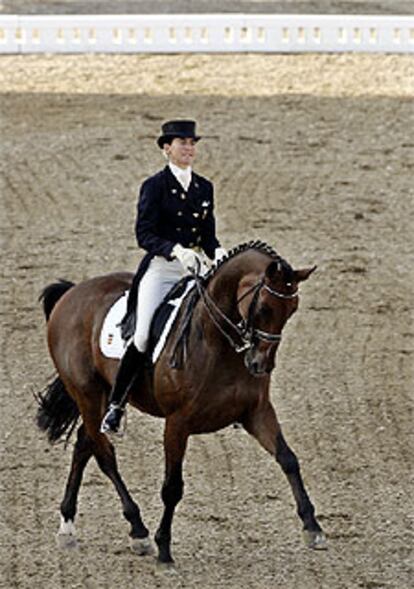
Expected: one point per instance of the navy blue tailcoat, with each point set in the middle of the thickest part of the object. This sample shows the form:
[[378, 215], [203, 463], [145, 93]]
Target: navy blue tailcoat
[[167, 215]]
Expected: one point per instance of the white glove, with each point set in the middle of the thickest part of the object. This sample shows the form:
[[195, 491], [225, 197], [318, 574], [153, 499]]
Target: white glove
[[186, 256], [219, 254]]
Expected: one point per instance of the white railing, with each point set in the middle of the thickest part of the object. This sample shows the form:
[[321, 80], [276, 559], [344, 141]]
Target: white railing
[[205, 33]]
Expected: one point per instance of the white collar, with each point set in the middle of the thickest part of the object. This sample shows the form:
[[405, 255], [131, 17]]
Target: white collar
[[183, 175]]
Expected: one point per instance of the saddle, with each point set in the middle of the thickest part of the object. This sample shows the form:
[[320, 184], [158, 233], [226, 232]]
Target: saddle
[[113, 341], [164, 317]]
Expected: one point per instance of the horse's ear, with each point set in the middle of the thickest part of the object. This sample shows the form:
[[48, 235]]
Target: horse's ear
[[303, 274], [272, 270]]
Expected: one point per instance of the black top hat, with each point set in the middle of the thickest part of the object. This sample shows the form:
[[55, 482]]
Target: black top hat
[[172, 129]]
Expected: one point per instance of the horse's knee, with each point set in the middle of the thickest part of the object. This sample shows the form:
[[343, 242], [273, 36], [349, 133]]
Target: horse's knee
[[285, 456], [172, 490]]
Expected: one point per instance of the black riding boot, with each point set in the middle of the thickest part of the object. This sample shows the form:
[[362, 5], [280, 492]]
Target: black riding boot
[[131, 365]]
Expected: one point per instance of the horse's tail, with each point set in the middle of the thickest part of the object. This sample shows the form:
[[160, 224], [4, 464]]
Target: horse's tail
[[52, 293], [58, 412]]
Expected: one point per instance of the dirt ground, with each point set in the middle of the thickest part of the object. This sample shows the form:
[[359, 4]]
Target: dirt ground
[[313, 154]]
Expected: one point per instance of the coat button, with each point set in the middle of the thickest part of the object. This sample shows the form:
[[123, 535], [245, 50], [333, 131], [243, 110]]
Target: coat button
[[178, 229], [180, 214], [183, 196], [194, 229], [196, 215]]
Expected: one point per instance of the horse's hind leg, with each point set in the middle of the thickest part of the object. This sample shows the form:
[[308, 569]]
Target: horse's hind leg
[[81, 453], [263, 425]]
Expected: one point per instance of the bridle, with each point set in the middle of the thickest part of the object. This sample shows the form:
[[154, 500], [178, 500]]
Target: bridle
[[244, 330]]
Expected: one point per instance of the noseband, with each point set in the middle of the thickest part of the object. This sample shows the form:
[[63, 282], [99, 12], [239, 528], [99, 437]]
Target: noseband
[[244, 329]]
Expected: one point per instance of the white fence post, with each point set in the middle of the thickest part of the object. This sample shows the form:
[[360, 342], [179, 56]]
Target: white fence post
[[10, 41]]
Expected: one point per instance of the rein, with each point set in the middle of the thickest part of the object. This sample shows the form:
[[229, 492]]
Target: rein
[[244, 330]]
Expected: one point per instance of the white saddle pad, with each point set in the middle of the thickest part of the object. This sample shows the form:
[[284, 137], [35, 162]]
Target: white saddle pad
[[111, 343]]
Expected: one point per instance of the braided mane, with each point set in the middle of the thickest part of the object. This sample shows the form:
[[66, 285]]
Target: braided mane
[[257, 245]]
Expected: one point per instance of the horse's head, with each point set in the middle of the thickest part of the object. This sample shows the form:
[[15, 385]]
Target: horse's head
[[265, 304]]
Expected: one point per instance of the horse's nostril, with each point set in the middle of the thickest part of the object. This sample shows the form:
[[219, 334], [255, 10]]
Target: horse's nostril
[[255, 368]]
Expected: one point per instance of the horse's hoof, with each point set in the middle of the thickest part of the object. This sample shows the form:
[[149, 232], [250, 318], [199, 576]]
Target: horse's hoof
[[67, 541], [66, 536], [315, 540], [166, 566], [142, 546]]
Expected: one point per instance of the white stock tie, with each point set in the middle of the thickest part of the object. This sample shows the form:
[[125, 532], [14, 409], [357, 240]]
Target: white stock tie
[[183, 175]]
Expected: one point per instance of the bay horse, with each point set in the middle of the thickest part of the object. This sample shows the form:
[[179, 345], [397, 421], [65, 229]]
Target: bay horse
[[234, 331]]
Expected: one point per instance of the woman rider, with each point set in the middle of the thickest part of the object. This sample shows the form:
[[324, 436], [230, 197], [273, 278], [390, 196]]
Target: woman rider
[[175, 225]]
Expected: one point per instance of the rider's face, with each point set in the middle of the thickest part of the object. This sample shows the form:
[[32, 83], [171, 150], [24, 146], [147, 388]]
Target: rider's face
[[181, 151]]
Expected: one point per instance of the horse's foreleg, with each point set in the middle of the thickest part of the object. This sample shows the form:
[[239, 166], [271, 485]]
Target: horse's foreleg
[[263, 425], [175, 442], [104, 453], [81, 453]]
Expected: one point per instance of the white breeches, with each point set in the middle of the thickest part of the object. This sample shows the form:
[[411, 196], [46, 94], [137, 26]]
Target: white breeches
[[155, 284]]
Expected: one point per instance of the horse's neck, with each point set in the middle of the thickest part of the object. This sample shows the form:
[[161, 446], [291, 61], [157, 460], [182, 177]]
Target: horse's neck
[[223, 290], [209, 348], [224, 285], [222, 294]]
